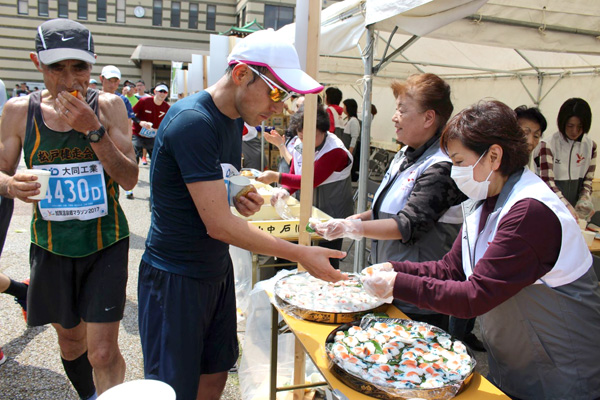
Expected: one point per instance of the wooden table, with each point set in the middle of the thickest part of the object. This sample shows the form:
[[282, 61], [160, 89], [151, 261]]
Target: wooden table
[[312, 336], [595, 247], [389, 146]]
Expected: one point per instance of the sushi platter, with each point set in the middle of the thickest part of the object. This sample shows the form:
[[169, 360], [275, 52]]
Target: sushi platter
[[312, 299], [391, 358]]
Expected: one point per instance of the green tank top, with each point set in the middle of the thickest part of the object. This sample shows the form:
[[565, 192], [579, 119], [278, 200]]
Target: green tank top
[[70, 154]]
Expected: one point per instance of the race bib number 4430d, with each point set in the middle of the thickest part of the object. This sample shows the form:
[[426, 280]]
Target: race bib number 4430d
[[75, 191]]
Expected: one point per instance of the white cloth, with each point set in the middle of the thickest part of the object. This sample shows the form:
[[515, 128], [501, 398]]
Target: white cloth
[[403, 184], [331, 143], [352, 128]]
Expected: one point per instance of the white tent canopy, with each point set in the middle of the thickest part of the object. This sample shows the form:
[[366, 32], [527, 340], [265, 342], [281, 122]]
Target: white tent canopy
[[482, 43]]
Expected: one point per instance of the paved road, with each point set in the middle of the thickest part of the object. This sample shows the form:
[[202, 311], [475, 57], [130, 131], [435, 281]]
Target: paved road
[[34, 369]]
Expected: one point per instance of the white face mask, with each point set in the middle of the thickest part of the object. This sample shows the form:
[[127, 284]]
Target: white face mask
[[463, 176]]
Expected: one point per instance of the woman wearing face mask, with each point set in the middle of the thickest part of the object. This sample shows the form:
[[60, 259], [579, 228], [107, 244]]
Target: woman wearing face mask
[[333, 162], [568, 162], [520, 264], [416, 214]]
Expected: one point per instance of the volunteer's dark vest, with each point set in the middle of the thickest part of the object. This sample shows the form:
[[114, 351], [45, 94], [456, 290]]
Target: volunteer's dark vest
[[44, 146]]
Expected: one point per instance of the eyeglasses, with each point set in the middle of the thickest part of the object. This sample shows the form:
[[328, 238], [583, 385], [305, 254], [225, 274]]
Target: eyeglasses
[[278, 94]]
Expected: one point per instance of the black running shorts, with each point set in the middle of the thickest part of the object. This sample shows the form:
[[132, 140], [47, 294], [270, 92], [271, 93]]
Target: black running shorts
[[66, 290]]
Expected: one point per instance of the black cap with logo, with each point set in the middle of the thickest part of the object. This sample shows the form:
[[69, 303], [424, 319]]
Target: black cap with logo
[[62, 39]]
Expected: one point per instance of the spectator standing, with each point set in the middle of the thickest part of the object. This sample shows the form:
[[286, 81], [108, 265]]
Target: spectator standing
[[140, 88], [129, 92], [186, 291], [23, 89], [533, 123], [110, 79], [332, 164], [356, 163], [93, 84], [333, 98], [568, 161], [79, 251], [352, 125], [252, 149], [149, 112]]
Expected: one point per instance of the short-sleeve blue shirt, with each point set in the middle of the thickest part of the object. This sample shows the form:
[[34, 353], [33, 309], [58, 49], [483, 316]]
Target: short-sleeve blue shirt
[[193, 140]]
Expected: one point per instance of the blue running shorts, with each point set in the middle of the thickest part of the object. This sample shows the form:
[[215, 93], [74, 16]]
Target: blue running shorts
[[187, 327]]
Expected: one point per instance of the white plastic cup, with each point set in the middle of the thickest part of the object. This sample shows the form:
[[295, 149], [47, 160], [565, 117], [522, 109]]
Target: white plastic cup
[[142, 389], [588, 236], [582, 224], [43, 176], [236, 183]]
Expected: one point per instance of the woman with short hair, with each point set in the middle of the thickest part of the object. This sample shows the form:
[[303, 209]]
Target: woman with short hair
[[416, 214], [520, 263]]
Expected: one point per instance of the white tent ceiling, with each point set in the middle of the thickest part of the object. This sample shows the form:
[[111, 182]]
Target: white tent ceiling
[[498, 38]]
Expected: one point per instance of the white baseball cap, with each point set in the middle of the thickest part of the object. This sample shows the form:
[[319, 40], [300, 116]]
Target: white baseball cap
[[160, 88], [110, 71], [268, 49]]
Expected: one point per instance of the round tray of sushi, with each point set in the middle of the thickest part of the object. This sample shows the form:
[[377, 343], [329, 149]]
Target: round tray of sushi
[[391, 358], [313, 299]]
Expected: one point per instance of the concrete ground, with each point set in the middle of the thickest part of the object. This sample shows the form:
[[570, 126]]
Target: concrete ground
[[34, 369]]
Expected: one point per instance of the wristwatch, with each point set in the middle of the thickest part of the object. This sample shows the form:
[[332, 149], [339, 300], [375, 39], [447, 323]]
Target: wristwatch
[[97, 135]]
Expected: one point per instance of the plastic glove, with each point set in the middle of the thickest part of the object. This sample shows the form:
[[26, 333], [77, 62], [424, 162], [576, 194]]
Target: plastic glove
[[340, 228], [380, 284], [279, 194], [585, 208], [279, 201], [375, 268]]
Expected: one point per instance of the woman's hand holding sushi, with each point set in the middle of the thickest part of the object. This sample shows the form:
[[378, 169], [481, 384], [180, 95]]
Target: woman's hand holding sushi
[[375, 268], [340, 228], [380, 284]]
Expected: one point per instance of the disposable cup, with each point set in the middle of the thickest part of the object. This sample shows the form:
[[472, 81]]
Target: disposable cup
[[43, 176], [582, 223], [143, 389], [589, 237], [236, 183]]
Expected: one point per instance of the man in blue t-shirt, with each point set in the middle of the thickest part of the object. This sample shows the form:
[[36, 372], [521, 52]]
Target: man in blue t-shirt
[[186, 289]]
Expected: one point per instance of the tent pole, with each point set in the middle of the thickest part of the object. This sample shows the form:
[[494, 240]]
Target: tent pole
[[365, 141]]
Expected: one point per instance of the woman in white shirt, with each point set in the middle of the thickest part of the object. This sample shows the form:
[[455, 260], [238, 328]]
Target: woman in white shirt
[[352, 126]]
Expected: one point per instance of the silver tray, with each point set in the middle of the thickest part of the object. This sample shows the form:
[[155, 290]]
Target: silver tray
[[322, 316], [360, 385]]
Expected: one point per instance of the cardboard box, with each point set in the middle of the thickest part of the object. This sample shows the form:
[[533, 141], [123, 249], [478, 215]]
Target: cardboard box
[[267, 219]]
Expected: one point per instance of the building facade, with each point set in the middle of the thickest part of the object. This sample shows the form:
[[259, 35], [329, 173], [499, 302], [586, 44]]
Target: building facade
[[140, 37]]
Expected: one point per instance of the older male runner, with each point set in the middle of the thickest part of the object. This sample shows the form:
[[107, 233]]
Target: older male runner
[[186, 292], [79, 234]]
